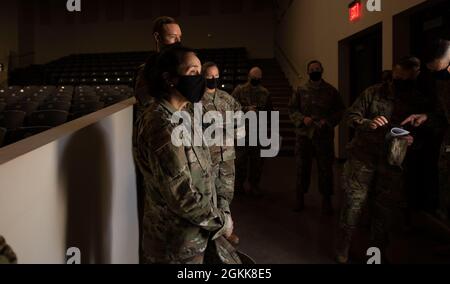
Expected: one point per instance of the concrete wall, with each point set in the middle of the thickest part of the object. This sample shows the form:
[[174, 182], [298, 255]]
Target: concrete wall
[[66, 33], [77, 191]]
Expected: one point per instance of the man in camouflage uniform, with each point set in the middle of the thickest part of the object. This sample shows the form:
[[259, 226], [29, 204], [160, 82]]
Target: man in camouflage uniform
[[316, 108], [181, 218], [166, 32], [373, 115], [252, 96], [7, 255], [438, 61]]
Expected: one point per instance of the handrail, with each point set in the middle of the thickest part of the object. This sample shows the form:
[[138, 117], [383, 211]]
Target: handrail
[[290, 63]]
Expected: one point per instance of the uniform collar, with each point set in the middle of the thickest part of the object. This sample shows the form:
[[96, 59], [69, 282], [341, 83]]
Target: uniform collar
[[316, 86], [165, 104]]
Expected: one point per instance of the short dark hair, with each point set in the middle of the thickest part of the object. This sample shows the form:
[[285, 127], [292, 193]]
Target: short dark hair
[[208, 65], [168, 62], [409, 62], [159, 23], [314, 62]]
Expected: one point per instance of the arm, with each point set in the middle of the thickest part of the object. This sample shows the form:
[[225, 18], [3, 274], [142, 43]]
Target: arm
[[295, 113], [170, 169], [356, 116]]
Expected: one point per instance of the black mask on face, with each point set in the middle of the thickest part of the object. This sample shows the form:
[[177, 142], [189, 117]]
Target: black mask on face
[[212, 83], [255, 82], [404, 85], [442, 75], [315, 76], [192, 87], [164, 47]]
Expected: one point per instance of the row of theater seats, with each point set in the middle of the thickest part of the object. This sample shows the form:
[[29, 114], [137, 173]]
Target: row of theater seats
[[95, 69], [120, 68], [26, 111]]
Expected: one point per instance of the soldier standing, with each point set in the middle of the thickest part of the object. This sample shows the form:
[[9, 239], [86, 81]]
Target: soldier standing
[[438, 61], [182, 222], [316, 108], [223, 156], [252, 96], [373, 115], [166, 32]]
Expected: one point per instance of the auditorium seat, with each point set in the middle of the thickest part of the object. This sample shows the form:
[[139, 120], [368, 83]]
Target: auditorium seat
[[78, 100], [60, 105], [50, 118], [113, 99], [2, 106], [27, 107], [87, 107], [12, 119], [227, 87], [23, 133]]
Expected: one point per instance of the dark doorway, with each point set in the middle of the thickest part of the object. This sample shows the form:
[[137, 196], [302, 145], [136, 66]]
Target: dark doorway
[[360, 66], [416, 27]]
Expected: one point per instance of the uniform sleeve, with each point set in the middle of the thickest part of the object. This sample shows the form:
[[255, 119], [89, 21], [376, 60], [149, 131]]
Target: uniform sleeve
[[269, 104], [237, 95], [437, 119], [337, 111], [295, 113], [170, 168], [357, 114]]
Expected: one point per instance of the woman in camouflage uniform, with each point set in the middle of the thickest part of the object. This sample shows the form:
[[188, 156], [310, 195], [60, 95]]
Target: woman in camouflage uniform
[[182, 222]]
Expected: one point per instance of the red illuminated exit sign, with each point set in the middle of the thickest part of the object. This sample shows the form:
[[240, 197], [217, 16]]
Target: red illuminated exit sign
[[355, 10]]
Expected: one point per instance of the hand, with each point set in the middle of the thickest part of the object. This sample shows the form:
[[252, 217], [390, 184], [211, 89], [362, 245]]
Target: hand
[[308, 121], [322, 123], [229, 227], [416, 120], [378, 122], [409, 139]]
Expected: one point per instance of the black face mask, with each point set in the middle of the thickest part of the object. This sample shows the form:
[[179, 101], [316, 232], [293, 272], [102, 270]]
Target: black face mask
[[255, 82], [192, 87], [404, 85], [315, 76], [442, 75], [164, 47], [212, 83]]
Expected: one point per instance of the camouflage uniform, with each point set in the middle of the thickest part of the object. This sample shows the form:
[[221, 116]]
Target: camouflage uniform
[[7, 255], [181, 217], [143, 100], [222, 157], [367, 174], [318, 102], [249, 158]]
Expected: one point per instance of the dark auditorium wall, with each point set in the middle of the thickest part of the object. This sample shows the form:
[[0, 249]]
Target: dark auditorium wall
[[8, 33], [119, 25], [312, 29]]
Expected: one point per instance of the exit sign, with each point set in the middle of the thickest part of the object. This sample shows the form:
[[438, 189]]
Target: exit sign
[[355, 10]]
